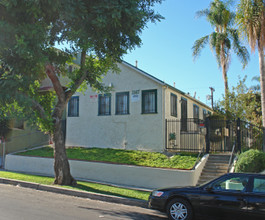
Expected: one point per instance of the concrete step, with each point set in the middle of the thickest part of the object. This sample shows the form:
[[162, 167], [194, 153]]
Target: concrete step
[[212, 173], [215, 166], [217, 161], [214, 170]]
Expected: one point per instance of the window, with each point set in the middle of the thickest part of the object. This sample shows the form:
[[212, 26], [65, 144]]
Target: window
[[73, 107], [204, 112], [149, 101], [104, 104], [174, 104], [196, 111], [259, 185], [231, 183], [122, 103]]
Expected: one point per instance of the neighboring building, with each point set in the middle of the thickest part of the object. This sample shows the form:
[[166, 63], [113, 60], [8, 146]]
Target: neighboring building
[[132, 116], [21, 137]]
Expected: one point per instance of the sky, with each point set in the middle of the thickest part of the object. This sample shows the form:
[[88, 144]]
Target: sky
[[166, 52]]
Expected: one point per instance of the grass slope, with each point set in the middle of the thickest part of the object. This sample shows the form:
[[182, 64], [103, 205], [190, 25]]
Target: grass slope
[[130, 157], [84, 186]]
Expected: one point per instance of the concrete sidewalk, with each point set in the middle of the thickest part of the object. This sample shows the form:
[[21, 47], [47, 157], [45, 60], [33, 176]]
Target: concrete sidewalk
[[77, 193]]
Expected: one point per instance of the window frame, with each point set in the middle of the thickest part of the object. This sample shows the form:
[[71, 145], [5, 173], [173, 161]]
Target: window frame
[[107, 95], [128, 103], [70, 113], [144, 93], [196, 110], [173, 108], [184, 120]]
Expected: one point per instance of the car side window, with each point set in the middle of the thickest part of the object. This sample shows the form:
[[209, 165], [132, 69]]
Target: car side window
[[259, 185], [231, 184]]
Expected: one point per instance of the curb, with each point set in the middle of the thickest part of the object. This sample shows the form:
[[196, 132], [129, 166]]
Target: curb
[[77, 193]]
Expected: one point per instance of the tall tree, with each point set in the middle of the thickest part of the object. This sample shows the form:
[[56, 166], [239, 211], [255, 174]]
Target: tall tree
[[244, 103], [223, 39], [251, 20], [101, 31]]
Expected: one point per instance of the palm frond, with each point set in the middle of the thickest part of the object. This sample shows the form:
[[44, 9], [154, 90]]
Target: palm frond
[[199, 45]]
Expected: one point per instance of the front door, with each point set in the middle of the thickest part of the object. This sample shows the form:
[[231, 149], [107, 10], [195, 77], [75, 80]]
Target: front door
[[184, 115]]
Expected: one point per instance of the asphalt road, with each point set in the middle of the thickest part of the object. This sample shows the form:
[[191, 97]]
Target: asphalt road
[[29, 204]]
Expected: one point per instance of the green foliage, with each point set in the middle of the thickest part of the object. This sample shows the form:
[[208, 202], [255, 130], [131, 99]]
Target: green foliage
[[251, 161], [244, 103], [223, 39], [5, 126], [101, 31], [130, 157]]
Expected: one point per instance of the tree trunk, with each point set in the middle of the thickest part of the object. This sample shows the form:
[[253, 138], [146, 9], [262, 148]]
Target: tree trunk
[[61, 164], [262, 80], [224, 73]]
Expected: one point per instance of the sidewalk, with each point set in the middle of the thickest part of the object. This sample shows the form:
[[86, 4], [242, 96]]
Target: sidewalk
[[77, 193]]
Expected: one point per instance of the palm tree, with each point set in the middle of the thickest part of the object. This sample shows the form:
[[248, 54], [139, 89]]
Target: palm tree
[[251, 20], [222, 39]]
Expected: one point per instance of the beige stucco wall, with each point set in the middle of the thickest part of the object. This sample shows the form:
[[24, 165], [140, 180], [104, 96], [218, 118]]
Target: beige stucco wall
[[190, 103], [25, 138], [144, 177], [133, 131]]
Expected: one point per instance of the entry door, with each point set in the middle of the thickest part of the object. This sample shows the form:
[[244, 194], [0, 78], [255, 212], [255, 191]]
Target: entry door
[[184, 114]]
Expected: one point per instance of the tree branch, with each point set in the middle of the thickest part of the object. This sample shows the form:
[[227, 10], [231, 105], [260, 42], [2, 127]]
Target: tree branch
[[50, 71], [78, 82]]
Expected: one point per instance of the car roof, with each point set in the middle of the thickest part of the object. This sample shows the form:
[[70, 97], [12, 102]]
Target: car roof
[[245, 174]]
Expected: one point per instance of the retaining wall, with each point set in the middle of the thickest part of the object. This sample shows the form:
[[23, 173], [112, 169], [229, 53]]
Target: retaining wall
[[134, 176]]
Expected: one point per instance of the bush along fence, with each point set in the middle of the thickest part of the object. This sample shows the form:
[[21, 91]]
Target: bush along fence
[[15, 135], [212, 135]]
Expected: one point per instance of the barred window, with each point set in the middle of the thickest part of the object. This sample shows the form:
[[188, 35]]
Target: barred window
[[122, 103], [195, 111], [149, 101], [104, 104], [174, 105], [73, 107]]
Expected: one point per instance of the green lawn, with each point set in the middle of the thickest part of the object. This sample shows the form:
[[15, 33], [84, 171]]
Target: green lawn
[[130, 157], [84, 186]]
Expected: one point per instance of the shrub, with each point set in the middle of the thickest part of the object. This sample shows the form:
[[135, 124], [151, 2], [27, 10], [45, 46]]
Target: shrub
[[252, 161]]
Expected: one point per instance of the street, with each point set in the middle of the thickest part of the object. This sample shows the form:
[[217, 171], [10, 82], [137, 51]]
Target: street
[[24, 203]]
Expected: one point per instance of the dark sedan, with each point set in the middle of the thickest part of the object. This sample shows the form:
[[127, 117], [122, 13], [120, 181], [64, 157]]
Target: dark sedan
[[231, 196]]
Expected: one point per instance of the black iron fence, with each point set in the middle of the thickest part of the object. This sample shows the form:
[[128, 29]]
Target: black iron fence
[[212, 135]]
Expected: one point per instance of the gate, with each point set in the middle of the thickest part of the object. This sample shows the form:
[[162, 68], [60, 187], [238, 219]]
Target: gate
[[185, 135], [212, 135]]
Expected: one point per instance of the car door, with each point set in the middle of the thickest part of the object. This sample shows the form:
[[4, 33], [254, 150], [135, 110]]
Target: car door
[[256, 198], [226, 198]]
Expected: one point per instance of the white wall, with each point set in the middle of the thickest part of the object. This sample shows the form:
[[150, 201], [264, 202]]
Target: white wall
[[132, 131], [134, 176]]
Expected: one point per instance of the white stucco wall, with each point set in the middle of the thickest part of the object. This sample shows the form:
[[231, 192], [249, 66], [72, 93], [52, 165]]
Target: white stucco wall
[[134, 176], [132, 131]]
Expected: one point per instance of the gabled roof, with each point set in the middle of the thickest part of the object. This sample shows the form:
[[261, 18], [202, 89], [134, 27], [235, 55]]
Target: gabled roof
[[162, 83]]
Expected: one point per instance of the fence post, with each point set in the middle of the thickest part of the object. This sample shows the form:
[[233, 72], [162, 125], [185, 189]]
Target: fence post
[[238, 134], [166, 135], [263, 139], [207, 136]]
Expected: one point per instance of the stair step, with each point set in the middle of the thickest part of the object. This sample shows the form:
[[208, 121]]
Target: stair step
[[215, 166], [218, 161]]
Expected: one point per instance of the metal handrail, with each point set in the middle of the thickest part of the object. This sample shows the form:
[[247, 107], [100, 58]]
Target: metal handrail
[[197, 161], [231, 157]]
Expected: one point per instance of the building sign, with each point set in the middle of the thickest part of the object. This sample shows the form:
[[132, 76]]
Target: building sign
[[93, 98], [135, 96]]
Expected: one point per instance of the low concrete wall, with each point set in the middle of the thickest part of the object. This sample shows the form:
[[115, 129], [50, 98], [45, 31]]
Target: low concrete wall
[[134, 176]]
